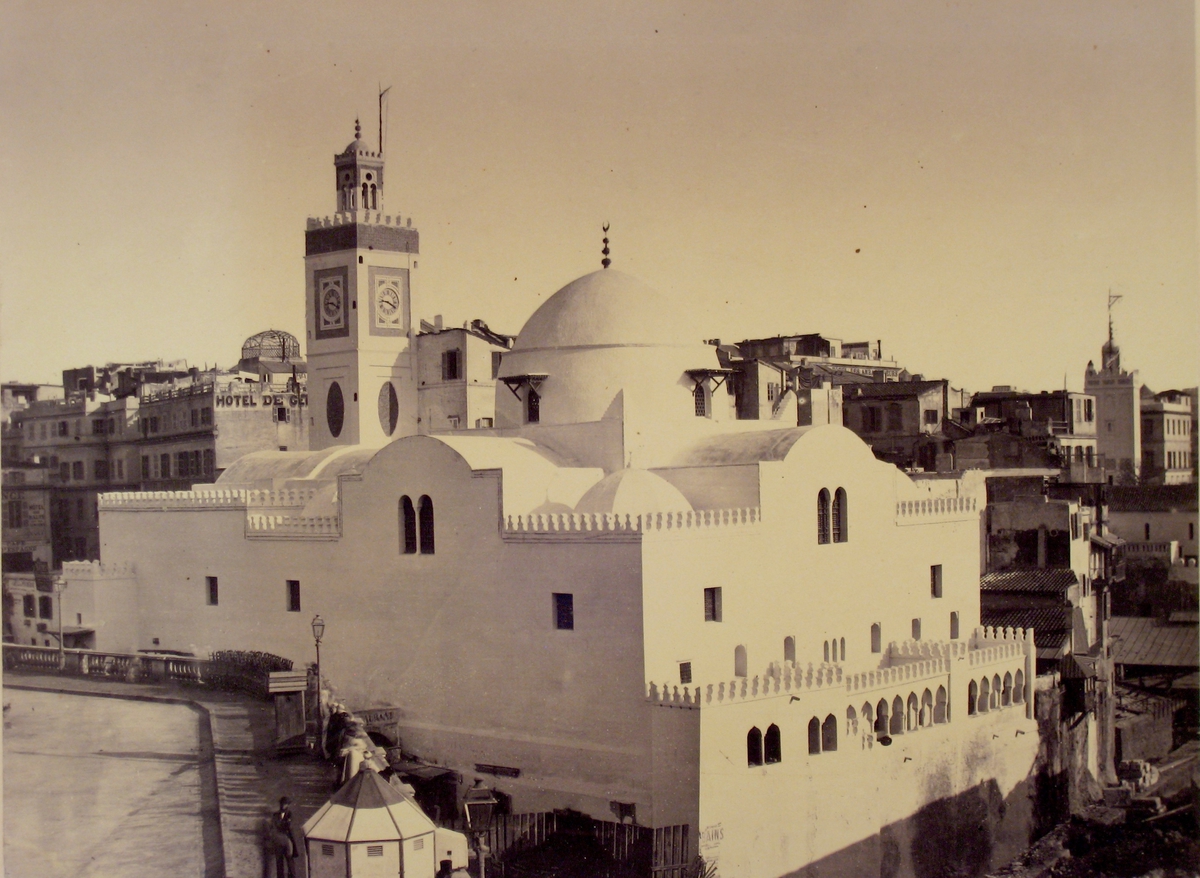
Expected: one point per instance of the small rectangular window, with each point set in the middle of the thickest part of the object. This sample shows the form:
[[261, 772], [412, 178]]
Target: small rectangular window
[[712, 605], [120, 468], [931, 416], [64, 472], [195, 417], [77, 470], [374, 850], [916, 629], [205, 416], [211, 582], [164, 466], [685, 673], [145, 466], [450, 365], [30, 606], [954, 626], [293, 595], [564, 612], [45, 607], [935, 580], [327, 850]]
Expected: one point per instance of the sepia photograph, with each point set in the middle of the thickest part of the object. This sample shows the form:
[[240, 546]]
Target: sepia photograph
[[627, 440]]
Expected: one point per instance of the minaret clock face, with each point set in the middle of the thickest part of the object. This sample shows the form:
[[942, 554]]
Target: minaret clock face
[[331, 297], [390, 298]]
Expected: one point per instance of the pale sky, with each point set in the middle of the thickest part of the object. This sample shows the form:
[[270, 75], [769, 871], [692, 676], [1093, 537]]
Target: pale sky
[[964, 180]]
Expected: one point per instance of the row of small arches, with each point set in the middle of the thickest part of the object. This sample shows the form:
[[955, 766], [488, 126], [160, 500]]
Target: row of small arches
[[416, 526], [832, 524], [997, 693], [370, 198], [900, 715]]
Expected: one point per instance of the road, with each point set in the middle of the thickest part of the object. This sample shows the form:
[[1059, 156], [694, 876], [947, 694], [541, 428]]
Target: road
[[99, 787]]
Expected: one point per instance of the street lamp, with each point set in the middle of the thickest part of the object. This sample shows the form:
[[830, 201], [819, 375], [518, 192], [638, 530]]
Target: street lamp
[[60, 585], [480, 804], [318, 630]]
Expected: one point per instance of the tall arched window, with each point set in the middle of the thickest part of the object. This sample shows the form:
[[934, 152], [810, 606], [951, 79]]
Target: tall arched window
[[973, 698], [916, 629], [408, 527], [754, 747], [851, 721], [914, 713], [829, 734], [533, 407], [374, 203], [739, 661], [1006, 692], [842, 651], [827, 650], [940, 706], [789, 649], [954, 626], [841, 530], [699, 400], [897, 724], [823, 517], [425, 517], [881, 717], [985, 698], [1019, 687], [365, 202], [814, 736], [772, 749], [876, 638], [995, 702], [868, 716], [926, 709]]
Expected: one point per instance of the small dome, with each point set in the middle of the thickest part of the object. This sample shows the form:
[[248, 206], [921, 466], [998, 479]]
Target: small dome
[[633, 492], [273, 344], [605, 308], [355, 146]]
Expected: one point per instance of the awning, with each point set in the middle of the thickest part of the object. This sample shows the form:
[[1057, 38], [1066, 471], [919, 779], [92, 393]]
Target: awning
[[420, 770], [1107, 542]]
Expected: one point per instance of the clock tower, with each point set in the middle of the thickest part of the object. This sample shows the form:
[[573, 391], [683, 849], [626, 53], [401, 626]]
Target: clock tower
[[360, 271]]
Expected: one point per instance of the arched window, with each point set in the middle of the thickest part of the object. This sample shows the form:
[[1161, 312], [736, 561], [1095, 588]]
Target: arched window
[[973, 698], [829, 734], [772, 750], [896, 726], [954, 626], [374, 203], [841, 530], [425, 518], [739, 661], [843, 649], [940, 706], [1019, 688], [365, 203], [700, 401], [985, 699], [814, 736], [914, 713], [1006, 692], [823, 517], [533, 407], [408, 527], [926, 709], [876, 638], [995, 702], [881, 717], [389, 408], [868, 715], [916, 629], [754, 747], [789, 649], [827, 650], [851, 722]]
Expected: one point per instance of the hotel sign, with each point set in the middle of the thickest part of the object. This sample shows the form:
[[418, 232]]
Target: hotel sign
[[253, 401]]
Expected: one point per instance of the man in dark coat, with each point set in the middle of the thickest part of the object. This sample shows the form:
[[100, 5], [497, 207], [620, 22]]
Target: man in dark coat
[[282, 841]]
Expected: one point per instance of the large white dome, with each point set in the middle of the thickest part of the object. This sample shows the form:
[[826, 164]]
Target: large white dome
[[603, 309]]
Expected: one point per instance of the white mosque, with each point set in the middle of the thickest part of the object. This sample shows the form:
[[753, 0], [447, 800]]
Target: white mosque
[[618, 598]]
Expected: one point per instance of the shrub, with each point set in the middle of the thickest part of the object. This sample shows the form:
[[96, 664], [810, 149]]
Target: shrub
[[245, 671]]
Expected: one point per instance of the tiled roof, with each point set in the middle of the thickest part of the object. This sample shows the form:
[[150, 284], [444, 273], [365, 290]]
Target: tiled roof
[[1051, 627], [1138, 640], [1152, 498], [881, 389], [1043, 580]]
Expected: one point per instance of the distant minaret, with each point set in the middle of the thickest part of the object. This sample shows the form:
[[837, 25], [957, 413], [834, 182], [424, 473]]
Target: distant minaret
[[360, 269], [1118, 409]]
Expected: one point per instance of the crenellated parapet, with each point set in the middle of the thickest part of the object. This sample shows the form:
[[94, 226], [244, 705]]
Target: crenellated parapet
[[574, 525], [936, 509], [95, 570], [907, 651], [308, 527], [284, 499], [995, 645], [358, 217]]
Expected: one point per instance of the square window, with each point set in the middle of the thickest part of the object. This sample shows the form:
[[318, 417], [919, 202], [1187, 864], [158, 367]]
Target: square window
[[564, 612], [213, 593], [931, 416], [293, 595], [712, 605], [685, 673], [935, 580]]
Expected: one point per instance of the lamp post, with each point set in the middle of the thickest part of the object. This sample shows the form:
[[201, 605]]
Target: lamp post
[[60, 585], [480, 804], [318, 630]]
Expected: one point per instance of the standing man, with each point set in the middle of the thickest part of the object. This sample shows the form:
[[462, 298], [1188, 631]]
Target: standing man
[[283, 841]]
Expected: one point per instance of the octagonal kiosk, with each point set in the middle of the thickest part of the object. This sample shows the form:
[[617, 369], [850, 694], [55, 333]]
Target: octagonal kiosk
[[371, 829]]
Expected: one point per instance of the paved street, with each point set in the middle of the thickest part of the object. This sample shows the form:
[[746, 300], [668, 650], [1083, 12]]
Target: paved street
[[100, 787]]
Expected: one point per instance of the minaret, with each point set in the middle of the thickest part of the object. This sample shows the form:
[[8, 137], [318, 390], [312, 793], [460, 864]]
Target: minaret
[[360, 272], [1118, 410]]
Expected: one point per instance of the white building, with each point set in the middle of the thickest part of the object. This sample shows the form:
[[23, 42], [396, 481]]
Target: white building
[[620, 600]]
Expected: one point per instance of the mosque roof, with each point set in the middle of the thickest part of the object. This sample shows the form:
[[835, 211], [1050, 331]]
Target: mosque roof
[[606, 308], [633, 492], [264, 470], [741, 448]]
